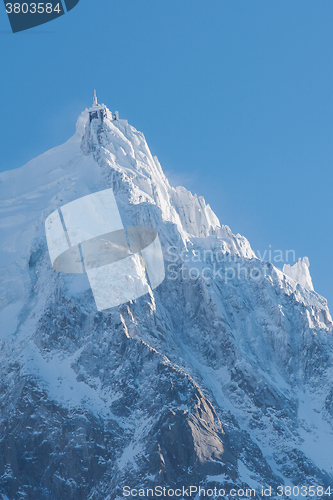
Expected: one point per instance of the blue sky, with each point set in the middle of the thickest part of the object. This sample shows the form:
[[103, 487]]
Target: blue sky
[[234, 97]]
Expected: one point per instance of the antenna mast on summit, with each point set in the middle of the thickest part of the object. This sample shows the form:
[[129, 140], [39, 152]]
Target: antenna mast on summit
[[95, 98]]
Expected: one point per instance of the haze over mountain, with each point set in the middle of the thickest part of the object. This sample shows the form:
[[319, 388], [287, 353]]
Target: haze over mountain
[[220, 377]]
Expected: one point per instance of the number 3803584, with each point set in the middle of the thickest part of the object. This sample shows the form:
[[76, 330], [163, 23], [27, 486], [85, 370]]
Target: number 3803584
[[32, 8]]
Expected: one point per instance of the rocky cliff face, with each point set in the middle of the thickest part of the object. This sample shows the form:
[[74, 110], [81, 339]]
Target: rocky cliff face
[[220, 377]]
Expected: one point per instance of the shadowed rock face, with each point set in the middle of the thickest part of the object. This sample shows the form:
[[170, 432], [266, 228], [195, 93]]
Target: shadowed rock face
[[48, 450], [209, 382]]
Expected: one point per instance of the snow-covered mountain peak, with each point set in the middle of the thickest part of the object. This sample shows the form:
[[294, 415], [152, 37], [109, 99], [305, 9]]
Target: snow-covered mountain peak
[[136, 176], [300, 273], [221, 376]]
